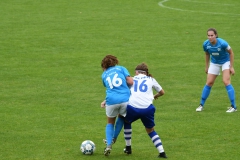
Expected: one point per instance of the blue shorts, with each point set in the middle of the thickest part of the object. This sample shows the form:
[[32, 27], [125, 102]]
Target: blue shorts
[[145, 114]]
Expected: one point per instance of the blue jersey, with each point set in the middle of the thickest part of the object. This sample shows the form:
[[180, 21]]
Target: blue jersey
[[218, 52], [114, 79]]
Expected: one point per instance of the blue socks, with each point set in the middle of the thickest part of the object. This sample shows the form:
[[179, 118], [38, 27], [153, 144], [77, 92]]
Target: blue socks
[[230, 91], [118, 127], [109, 133], [231, 95], [205, 94]]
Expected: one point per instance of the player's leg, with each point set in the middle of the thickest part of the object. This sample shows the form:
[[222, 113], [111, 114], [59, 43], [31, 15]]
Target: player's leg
[[109, 134], [207, 88], [110, 130], [229, 87], [148, 122], [118, 127], [132, 115], [111, 112], [213, 72], [156, 141], [120, 121], [128, 137]]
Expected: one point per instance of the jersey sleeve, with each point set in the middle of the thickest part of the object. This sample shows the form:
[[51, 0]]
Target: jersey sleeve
[[125, 72], [205, 46], [156, 85], [225, 45]]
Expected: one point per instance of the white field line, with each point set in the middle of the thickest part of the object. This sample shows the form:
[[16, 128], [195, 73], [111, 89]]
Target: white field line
[[178, 9], [209, 3]]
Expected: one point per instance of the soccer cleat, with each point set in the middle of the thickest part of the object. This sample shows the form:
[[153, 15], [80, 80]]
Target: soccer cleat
[[162, 155], [127, 150], [200, 108], [107, 151], [231, 109], [113, 141]]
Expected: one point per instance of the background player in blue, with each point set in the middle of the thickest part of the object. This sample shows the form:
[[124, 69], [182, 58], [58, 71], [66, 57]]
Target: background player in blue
[[117, 80], [140, 107], [221, 56]]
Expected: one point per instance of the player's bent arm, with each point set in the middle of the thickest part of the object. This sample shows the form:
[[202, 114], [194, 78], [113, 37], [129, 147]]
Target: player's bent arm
[[231, 54], [159, 94], [207, 59], [129, 80]]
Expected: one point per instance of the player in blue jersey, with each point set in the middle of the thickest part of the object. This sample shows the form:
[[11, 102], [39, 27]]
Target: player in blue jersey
[[117, 80], [219, 56], [140, 107]]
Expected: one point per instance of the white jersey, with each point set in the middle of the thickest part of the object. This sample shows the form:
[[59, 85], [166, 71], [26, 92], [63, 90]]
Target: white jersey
[[141, 91]]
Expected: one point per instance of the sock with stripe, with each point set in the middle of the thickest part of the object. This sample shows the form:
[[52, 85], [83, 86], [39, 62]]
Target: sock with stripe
[[156, 141], [127, 133]]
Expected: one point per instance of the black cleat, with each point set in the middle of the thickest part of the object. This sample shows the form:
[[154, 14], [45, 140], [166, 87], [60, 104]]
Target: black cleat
[[162, 155], [127, 150]]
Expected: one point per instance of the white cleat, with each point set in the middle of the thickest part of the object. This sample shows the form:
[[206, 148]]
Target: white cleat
[[231, 109], [200, 108], [107, 151]]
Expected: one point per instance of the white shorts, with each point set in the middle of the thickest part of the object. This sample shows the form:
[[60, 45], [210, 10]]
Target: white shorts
[[114, 110], [216, 68]]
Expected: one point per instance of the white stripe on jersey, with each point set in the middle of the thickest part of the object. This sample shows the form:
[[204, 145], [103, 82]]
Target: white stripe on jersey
[[228, 47]]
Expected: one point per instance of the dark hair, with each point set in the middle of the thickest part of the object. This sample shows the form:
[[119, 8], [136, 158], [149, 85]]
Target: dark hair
[[109, 61], [214, 31], [143, 68]]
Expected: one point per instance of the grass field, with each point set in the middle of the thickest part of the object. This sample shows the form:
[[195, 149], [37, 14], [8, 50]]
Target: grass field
[[50, 76]]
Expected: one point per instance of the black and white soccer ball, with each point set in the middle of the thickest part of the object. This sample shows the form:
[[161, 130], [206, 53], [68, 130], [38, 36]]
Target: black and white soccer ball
[[87, 147]]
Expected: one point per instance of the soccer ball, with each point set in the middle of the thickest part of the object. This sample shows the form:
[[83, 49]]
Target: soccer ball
[[87, 147]]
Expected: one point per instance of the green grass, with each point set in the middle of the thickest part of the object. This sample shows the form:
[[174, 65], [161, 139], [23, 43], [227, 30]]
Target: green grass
[[51, 89]]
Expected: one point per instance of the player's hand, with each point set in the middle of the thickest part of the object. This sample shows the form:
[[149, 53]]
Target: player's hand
[[232, 71], [103, 104], [206, 70]]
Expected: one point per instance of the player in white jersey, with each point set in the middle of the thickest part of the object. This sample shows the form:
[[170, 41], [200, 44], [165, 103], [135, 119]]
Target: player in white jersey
[[140, 107], [117, 80], [219, 56]]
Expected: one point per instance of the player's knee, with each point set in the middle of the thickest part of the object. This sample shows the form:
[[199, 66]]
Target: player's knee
[[149, 130], [226, 82], [210, 84]]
